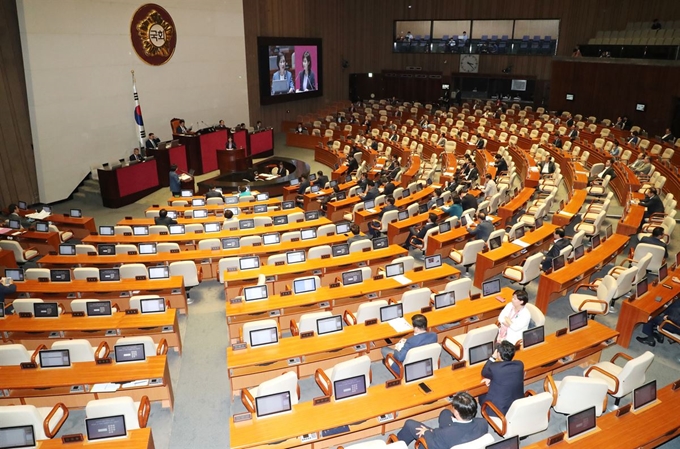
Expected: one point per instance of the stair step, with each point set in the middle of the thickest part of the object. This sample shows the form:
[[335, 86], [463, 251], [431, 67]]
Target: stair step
[[89, 189], [91, 183]]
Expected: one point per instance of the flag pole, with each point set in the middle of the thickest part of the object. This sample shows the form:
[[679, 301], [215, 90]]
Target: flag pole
[[138, 116]]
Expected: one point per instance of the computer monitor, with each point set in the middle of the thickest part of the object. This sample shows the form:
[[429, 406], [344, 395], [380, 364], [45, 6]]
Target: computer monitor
[[644, 395], [286, 205], [332, 183], [370, 204], [22, 205], [264, 196], [445, 299], [249, 263], [341, 249], [45, 310], [200, 213], [186, 193], [246, 224], [444, 227], [329, 325], [581, 422], [159, 272], [109, 274], [480, 353], [304, 285], [16, 274], [352, 277], [133, 352], [152, 305], [663, 272], [280, 220], [67, 250], [14, 224], [106, 249], [16, 437], [519, 232], [439, 202], [60, 275], [176, 229], [98, 308], [260, 209], [641, 288], [394, 269], [76, 213], [350, 387], [402, 215], [492, 287], [55, 358], [230, 243], [341, 196], [271, 239], [342, 228], [231, 200], [312, 177], [198, 202], [595, 242], [294, 182], [533, 336], [295, 257], [422, 208], [255, 293], [578, 320], [106, 427], [558, 262], [380, 242], [272, 404], [391, 312], [308, 234], [405, 193], [147, 248], [608, 231], [578, 252], [433, 261], [418, 370], [509, 443], [42, 226], [140, 230], [314, 189], [106, 230], [495, 242], [212, 227], [465, 220], [261, 337], [2, 309]]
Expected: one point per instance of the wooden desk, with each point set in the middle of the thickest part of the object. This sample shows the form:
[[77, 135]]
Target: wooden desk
[[337, 209], [631, 220], [7, 259], [213, 208], [518, 202], [80, 227], [32, 332], [455, 238], [171, 289], [310, 199], [209, 219], [365, 216], [43, 242], [492, 263], [558, 354], [43, 387], [558, 283], [571, 209], [397, 231], [136, 439]]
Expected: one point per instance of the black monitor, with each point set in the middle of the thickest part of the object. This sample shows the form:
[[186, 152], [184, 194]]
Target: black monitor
[[465, 219], [16, 274], [280, 220], [480, 353], [22, 205], [422, 208], [261, 337], [314, 189], [418, 370], [405, 193], [162, 272], [578, 320], [538, 222], [519, 232], [294, 182], [433, 261], [380, 242], [341, 196], [109, 274], [304, 285], [402, 215], [16, 437], [286, 205], [439, 201], [264, 196], [581, 422], [133, 352], [312, 215], [106, 249], [608, 231], [271, 239], [509, 443], [106, 230], [231, 200], [663, 272], [246, 224], [352, 277], [47, 209], [342, 228], [578, 252], [347, 388], [249, 263], [495, 242], [176, 229], [55, 358], [230, 243], [67, 250], [147, 248], [45, 310], [42, 226], [212, 227], [445, 299], [558, 262], [152, 305], [312, 177], [394, 269], [391, 312], [644, 395], [295, 257], [76, 213], [492, 287], [140, 230], [308, 234], [444, 227], [255, 293], [272, 404], [595, 242], [341, 249], [98, 308], [332, 183], [533, 336], [260, 209], [329, 325], [60, 275], [641, 288], [106, 427]]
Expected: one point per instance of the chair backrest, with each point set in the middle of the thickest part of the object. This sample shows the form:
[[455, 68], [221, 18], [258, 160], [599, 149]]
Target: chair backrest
[[33, 274], [308, 320], [624, 282], [360, 245], [470, 251], [325, 230], [124, 249], [149, 345], [287, 381], [537, 317], [408, 262], [257, 325], [187, 269], [480, 443], [478, 336], [84, 249], [576, 393], [352, 368], [607, 289], [13, 355], [369, 310], [250, 240], [224, 264], [157, 229], [319, 251], [80, 350], [528, 415], [532, 268], [23, 415], [120, 230], [431, 351], [13, 245], [166, 247], [415, 300], [656, 251], [25, 305], [130, 270], [135, 301], [460, 288], [633, 373], [124, 405], [208, 244]]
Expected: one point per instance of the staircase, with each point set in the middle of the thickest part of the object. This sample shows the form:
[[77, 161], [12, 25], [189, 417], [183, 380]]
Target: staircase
[[88, 192]]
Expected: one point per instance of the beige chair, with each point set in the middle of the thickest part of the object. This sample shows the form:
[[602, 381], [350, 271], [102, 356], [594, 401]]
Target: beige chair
[[21, 255], [325, 379], [308, 322], [14, 354], [80, 350], [136, 414], [151, 348], [287, 381], [459, 346], [523, 274], [622, 380], [415, 300], [526, 416], [365, 311], [431, 351], [46, 421], [595, 305], [468, 256], [575, 393], [252, 326]]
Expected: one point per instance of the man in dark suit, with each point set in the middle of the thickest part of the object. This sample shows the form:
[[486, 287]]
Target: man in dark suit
[[213, 193], [304, 183], [668, 136], [468, 200], [388, 207], [421, 337], [389, 187], [557, 141], [152, 142], [559, 244], [182, 129], [352, 164], [480, 142], [607, 170], [135, 156], [570, 122], [283, 171], [547, 166], [394, 137], [501, 165], [652, 202], [573, 134], [372, 193], [321, 180], [671, 314], [455, 427], [163, 218], [655, 239], [420, 234], [483, 230], [504, 377], [13, 215], [471, 176]]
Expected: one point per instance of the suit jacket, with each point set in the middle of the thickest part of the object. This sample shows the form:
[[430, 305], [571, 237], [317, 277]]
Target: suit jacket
[[150, 144], [372, 194], [480, 143], [311, 81], [181, 130], [456, 433], [321, 181], [654, 241], [507, 383], [472, 174], [303, 187], [417, 340], [654, 205], [394, 137], [353, 165], [7, 290], [668, 138], [469, 202], [387, 208], [573, 134], [570, 122], [213, 194], [136, 158], [283, 172], [389, 189], [424, 229], [501, 166], [482, 231], [557, 142], [646, 168], [556, 247], [609, 171], [634, 140], [167, 221], [551, 167]]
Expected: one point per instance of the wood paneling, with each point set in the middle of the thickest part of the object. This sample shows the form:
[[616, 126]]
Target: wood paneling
[[361, 32], [17, 164]]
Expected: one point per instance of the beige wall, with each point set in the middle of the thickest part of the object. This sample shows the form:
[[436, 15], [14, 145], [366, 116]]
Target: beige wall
[[77, 60]]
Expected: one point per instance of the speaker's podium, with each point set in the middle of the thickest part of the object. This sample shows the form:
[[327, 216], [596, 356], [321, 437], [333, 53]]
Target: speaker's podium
[[237, 160], [201, 146]]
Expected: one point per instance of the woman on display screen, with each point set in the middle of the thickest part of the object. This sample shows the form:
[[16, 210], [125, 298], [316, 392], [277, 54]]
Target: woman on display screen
[[281, 75], [306, 78]]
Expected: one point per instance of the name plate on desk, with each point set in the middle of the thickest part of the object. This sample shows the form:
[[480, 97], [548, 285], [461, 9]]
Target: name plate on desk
[[132, 253], [561, 332], [306, 334], [25, 315], [323, 305], [239, 346], [103, 361], [426, 309], [140, 278], [235, 301], [199, 231], [392, 383], [28, 365], [475, 296], [458, 365], [325, 256], [334, 285], [371, 322], [163, 233], [675, 385], [52, 253], [555, 439], [131, 311], [623, 410], [285, 293], [316, 272], [273, 313], [279, 263], [378, 277], [322, 400], [240, 417], [73, 438], [365, 250], [294, 361], [416, 269], [295, 239], [91, 253], [43, 279], [268, 225], [257, 244], [127, 234], [77, 314]]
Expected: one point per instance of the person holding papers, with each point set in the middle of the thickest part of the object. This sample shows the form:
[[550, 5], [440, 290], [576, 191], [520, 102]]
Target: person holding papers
[[421, 337], [175, 184], [514, 318]]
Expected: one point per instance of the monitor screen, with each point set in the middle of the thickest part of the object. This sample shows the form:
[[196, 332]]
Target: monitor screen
[[199, 213], [60, 275], [465, 219], [286, 205], [380, 242], [608, 231], [16, 274], [176, 229], [140, 230], [271, 239], [280, 220], [492, 287], [22, 205], [106, 250], [67, 250], [341, 196], [578, 320], [109, 274], [14, 224], [249, 263], [231, 200], [340, 250], [329, 325], [262, 337], [212, 227], [304, 285], [106, 230], [347, 388], [16, 437], [294, 182], [641, 288], [272, 404], [332, 183], [312, 215], [370, 204], [510, 443], [262, 196], [186, 193], [256, 293], [581, 422], [230, 242], [538, 222], [578, 252], [198, 202], [246, 224], [147, 248], [402, 215], [391, 312], [98, 308], [444, 227], [558, 262], [260, 209], [107, 427], [519, 232], [55, 358], [405, 193], [395, 269], [295, 257], [439, 201], [342, 228], [644, 395], [533, 336], [307, 234], [76, 213], [595, 242], [418, 370], [495, 242], [159, 272], [45, 310], [445, 299], [152, 305], [352, 277], [314, 189], [480, 353], [663, 272], [41, 226], [129, 353], [433, 261], [312, 177], [422, 208]]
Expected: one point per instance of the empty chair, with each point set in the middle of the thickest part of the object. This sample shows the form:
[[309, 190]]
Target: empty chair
[[523, 274], [246, 332], [365, 311], [592, 228], [167, 247], [33, 274], [621, 380], [459, 346], [46, 421], [190, 272], [80, 350], [575, 393], [595, 305], [84, 249], [80, 305], [319, 251], [125, 249], [208, 244], [526, 416], [151, 348], [250, 240], [360, 245], [308, 321], [157, 229], [64, 236], [657, 252], [82, 273], [122, 230], [131, 270], [325, 379], [136, 414], [25, 305], [285, 382], [415, 300], [15, 354], [21, 255], [468, 256]]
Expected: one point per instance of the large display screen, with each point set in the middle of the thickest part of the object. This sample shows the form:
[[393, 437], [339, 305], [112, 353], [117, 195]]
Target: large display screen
[[289, 68]]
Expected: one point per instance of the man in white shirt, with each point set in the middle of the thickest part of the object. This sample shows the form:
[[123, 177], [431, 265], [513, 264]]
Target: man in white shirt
[[490, 188]]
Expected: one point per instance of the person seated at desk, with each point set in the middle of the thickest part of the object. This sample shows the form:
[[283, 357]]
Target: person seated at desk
[[432, 203], [182, 129], [455, 427], [547, 166], [325, 199], [136, 156], [471, 175], [668, 136], [639, 162], [490, 187], [634, 140], [231, 145], [392, 170], [645, 167], [455, 209], [282, 75], [258, 126], [213, 193], [514, 318], [366, 123], [152, 142], [573, 133], [13, 215], [464, 169], [607, 170], [504, 377], [300, 129], [480, 142], [557, 141], [483, 230], [372, 193], [321, 180], [615, 151], [243, 190], [356, 234], [221, 125], [352, 163], [672, 313], [394, 137], [175, 184], [442, 141], [283, 171], [468, 200], [570, 121], [559, 244], [421, 337], [163, 218], [500, 164], [655, 239], [420, 233], [652, 202]]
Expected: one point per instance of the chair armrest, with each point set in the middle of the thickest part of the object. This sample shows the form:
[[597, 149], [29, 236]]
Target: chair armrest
[[323, 382], [622, 355], [248, 400], [51, 432], [529, 393], [388, 360], [460, 354], [667, 333], [420, 443], [392, 438], [294, 330], [485, 414], [35, 354], [349, 318], [200, 273], [375, 225], [162, 348], [604, 373], [30, 248], [416, 242], [103, 346], [550, 387], [144, 411], [596, 301]]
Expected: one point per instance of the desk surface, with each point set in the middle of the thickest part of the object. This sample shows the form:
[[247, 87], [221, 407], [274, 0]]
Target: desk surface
[[136, 439], [127, 285]]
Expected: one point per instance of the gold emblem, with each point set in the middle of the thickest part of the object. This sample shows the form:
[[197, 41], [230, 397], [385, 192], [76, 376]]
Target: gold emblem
[[153, 34]]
